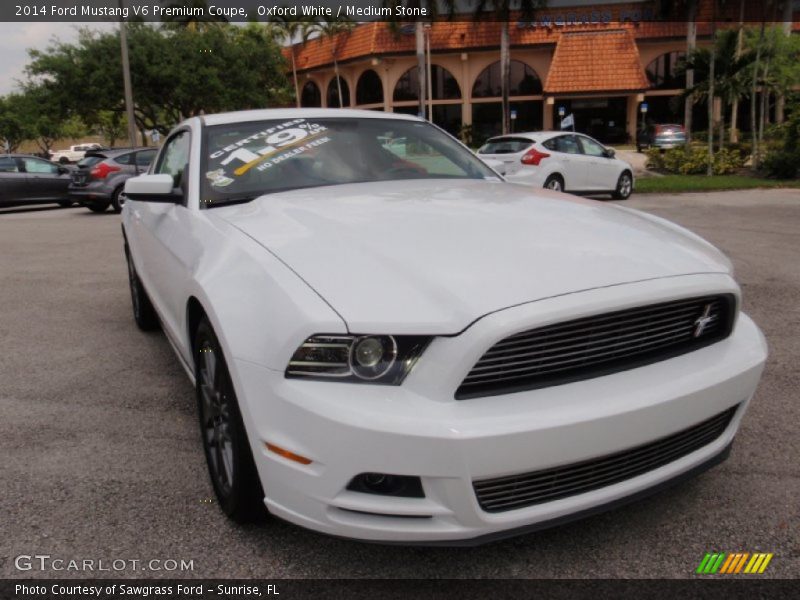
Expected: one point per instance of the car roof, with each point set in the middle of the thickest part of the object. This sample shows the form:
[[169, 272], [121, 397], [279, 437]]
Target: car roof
[[112, 152], [244, 116], [536, 136], [17, 155]]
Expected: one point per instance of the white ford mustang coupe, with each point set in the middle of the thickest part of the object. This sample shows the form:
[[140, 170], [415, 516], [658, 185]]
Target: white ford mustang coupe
[[389, 342]]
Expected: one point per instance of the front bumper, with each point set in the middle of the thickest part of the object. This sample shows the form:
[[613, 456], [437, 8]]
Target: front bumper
[[419, 429]]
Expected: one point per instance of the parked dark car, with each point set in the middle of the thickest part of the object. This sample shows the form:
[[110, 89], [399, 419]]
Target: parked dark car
[[26, 179], [662, 136], [101, 174]]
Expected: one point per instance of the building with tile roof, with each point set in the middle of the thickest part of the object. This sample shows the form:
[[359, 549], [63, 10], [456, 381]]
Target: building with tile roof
[[599, 62]]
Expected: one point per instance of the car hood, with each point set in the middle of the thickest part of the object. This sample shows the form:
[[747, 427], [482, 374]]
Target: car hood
[[431, 256]]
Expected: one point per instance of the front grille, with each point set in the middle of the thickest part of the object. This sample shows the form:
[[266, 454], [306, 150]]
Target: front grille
[[598, 345], [527, 489]]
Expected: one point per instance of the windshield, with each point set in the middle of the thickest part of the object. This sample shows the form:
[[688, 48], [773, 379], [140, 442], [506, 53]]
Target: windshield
[[246, 160]]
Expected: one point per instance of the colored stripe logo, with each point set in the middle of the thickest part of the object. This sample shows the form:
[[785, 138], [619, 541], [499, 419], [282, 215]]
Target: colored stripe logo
[[734, 563]]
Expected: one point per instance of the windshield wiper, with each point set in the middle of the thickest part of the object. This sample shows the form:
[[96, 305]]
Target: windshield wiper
[[229, 201]]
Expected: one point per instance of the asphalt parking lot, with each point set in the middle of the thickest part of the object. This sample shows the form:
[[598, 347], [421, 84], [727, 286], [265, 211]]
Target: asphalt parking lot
[[101, 456]]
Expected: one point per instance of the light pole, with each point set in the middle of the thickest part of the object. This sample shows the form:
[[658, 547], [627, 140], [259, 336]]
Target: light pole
[[428, 70], [126, 79]]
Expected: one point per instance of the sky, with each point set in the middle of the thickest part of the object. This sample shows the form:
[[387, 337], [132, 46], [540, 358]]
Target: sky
[[16, 38]]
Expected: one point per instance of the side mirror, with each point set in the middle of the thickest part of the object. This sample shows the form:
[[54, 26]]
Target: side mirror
[[497, 165], [62, 170], [610, 153], [153, 188]]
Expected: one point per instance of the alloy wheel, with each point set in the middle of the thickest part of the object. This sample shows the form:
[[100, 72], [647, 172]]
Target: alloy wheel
[[216, 417]]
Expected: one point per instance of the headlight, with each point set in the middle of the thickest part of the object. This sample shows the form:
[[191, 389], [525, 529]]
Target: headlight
[[383, 359]]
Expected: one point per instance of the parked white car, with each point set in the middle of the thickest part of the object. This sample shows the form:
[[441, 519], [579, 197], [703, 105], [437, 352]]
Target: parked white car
[[561, 161], [388, 342], [74, 154]]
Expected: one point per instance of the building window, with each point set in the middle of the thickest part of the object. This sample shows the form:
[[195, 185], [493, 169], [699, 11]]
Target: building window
[[664, 73], [444, 85], [333, 94], [310, 96], [523, 81], [369, 89]]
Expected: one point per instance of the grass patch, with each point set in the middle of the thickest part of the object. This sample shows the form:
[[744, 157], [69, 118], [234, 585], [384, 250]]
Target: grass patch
[[671, 184]]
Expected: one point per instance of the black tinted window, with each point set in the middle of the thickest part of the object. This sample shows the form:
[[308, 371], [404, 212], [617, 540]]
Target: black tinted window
[[506, 145], [8, 165], [563, 143], [88, 161], [145, 157]]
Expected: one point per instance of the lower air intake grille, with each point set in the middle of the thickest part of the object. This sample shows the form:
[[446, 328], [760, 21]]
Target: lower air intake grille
[[518, 491], [599, 345]]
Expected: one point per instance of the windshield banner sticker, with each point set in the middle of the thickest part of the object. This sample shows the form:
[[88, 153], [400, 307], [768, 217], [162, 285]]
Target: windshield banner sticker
[[280, 142]]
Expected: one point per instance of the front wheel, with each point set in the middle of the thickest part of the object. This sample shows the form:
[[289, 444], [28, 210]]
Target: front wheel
[[117, 200], [227, 449], [555, 183], [624, 187]]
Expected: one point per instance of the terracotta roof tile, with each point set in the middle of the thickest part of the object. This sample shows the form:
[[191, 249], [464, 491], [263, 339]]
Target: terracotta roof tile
[[377, 38], [595, 62]]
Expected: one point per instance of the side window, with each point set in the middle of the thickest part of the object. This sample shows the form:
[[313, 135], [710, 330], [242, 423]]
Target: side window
[[34, 165], [175, 157], [124, 159], [8, 165], [563, 143], [144, 158], [592, 148]]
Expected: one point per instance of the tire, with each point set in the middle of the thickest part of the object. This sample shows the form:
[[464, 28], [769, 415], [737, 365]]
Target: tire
[[63, 160], [116, 203], [228, 455], [639, 149], [624, 186], [98, 207], [555, 183], [143, 312]]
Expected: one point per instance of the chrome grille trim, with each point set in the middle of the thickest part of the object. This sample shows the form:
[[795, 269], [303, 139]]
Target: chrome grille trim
[[597, 345], [527, 489]]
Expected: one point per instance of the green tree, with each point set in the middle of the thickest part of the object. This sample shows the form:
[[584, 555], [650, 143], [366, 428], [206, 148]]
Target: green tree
[[290, 30], [112, 125], [176, 72], [14, 125], [47, 120]]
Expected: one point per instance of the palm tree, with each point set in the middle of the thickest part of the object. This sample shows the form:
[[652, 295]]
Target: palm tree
[[691, 45], [729, 68], [290, 29], [734, 136], [501, 10], [334, 30], [786, 17]]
